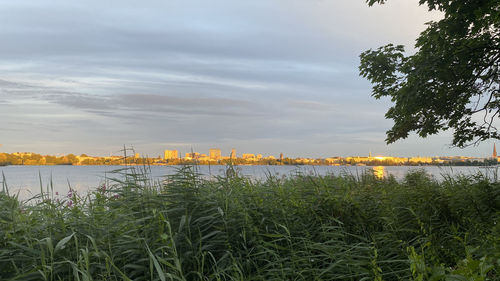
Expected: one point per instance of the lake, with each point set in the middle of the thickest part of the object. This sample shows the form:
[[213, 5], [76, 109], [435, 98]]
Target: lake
[[26, 180]]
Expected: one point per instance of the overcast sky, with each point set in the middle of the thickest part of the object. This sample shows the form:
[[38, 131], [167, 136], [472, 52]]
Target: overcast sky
[[262, 76]]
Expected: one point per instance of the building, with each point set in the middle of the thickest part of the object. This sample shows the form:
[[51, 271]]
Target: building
[[171, 154], [333, 160], [247, 156], [203, 157], [494, 151], [192, 155], [215, 154], [233, 154]]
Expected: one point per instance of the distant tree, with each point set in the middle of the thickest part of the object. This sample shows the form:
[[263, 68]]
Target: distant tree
[[452, 82], [50, 160], [69, 159]]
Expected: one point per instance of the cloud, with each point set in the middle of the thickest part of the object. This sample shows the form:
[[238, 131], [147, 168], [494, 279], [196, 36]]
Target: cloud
[[153, 103], [261, 75], [311, 105]]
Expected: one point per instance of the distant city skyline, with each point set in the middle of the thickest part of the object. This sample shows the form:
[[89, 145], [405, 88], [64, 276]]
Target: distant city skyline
[[263, 76], [217, 154], [214, 157]]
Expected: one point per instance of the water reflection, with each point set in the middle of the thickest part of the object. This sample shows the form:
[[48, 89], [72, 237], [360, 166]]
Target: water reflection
[[378, 171]]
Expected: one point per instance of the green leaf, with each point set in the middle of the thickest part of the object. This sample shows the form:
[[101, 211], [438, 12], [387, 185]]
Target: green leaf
[[157, 266], [61, 244]]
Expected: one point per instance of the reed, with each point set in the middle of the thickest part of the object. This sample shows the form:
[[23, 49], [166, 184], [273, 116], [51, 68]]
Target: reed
[[304, 227]]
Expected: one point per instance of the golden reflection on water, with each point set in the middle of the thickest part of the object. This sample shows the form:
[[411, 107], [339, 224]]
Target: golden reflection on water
[[378, 171]]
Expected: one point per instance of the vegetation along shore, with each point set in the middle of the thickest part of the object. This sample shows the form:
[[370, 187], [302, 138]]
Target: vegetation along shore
[[233, 228]]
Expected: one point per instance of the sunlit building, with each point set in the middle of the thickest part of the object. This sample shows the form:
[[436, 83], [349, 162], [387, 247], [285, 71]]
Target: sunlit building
[[333, 160], [215, 154], [303, 160], [247, 155], [204, 157], [171, 154], [233, 154], [192, 155]]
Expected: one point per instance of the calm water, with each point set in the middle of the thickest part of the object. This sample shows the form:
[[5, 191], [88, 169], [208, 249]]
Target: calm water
[[25, 180]]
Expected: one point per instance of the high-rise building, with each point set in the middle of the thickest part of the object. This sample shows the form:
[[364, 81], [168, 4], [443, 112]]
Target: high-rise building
[[494, 151], [215, 154], [171, 154], [233, 154]]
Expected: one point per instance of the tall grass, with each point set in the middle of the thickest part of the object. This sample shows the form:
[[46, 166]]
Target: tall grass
[[232, 228]]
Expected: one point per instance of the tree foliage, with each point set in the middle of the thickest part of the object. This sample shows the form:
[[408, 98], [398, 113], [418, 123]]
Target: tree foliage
[[452, 82]]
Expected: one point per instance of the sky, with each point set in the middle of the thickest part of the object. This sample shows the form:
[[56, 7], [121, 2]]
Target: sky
[[261, 76]]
